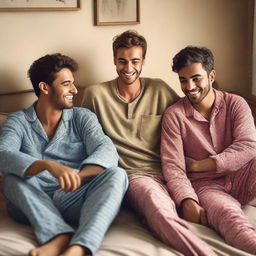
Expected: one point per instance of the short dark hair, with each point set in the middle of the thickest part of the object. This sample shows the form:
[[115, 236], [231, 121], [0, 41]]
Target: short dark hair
[[129, 39], [192, 54], [45, 68]]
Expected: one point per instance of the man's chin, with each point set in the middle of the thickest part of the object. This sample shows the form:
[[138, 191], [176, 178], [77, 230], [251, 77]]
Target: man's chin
[[68, 106], [194, 100]]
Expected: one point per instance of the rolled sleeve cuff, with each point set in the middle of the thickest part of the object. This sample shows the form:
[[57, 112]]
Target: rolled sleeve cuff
[[219, 163], [105, 163], [17, 166], [180, 198], [184, 193]]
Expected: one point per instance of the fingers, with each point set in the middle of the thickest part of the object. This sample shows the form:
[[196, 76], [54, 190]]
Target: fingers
[[69, 182], [61, 181]]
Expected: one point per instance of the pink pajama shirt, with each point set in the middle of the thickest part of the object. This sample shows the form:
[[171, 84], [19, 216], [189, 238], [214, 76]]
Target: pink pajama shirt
[[230, 139]]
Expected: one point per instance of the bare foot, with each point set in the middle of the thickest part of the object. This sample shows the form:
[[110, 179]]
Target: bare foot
[[53, 248], [76, 250]]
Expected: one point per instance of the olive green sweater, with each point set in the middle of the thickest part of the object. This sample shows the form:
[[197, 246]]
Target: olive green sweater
[[134, 127]]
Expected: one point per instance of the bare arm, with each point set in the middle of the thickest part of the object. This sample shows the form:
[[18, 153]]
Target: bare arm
[[204, 165], [88, 172], [68, 179]]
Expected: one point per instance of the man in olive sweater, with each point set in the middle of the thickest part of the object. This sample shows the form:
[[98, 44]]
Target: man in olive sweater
[[130, 109]]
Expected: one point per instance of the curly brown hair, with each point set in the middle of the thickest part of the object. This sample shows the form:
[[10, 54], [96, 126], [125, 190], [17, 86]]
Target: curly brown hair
[[129, 39], [45, 68]]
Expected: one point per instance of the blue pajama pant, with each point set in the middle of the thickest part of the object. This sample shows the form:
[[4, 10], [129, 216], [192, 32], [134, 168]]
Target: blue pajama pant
[[51, 212]]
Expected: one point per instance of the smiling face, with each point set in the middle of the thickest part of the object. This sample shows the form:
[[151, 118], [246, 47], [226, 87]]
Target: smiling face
[[62, 90], [129, 63], [196, 83]]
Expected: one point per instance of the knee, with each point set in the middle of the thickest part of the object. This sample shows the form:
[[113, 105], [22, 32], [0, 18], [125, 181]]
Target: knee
[[14, 184], [11, 185], [117, 175]]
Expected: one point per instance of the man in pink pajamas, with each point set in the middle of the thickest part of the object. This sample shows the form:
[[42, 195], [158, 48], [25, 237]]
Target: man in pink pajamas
[[130, 110], [208, 149]]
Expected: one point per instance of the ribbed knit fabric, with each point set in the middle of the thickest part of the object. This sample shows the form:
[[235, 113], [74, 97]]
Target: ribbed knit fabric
[[133, 127]]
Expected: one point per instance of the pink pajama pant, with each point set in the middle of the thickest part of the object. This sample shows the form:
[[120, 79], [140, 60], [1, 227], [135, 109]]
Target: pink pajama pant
[[222, 199], [150, 198]]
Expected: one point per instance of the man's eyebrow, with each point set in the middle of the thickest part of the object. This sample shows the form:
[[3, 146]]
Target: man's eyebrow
[[196, 75], [132, 59], [66, 81]]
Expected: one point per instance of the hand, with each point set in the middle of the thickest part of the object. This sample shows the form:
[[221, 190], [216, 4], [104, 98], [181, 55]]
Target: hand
[[193, 212], [68, 179], [190, 162]]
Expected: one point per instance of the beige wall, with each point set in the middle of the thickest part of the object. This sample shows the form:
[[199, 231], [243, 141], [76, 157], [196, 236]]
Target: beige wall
[[168, 26]]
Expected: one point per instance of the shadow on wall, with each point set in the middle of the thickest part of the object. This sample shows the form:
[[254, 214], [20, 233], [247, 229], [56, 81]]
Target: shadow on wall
[[16, 101], [93, 68], [9, 81], [12, 98]]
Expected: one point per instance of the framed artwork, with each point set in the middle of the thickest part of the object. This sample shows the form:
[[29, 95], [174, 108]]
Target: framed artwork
[[116, 12], [40, 5]]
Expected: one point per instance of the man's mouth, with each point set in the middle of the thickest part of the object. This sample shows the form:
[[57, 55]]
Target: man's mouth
[[193, 92], [128, 74], [69, 97]]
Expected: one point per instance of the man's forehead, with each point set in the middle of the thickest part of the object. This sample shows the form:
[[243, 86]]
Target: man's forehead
[[134, 49], [193, 69]]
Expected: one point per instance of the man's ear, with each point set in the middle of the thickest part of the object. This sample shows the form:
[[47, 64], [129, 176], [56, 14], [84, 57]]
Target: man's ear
[[212, 76], [44, 88]]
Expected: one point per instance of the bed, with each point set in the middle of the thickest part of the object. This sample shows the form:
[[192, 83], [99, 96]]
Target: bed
[[127, 236]]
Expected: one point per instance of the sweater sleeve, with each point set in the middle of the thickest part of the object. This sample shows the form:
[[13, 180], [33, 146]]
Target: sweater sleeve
[[243, 148], [88, 99], [173, 160]]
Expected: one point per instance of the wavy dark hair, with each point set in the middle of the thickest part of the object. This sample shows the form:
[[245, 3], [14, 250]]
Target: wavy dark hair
[[45, 68], [192, 54]]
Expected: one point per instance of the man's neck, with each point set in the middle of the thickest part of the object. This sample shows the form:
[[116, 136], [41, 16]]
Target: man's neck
[[129, 92], [205, 106], [48, 117]]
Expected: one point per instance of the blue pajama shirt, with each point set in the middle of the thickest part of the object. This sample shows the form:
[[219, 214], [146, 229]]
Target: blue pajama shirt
[[78, 141]]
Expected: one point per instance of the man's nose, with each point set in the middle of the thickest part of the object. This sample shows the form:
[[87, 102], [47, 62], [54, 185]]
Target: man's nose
[[190, 85], [74, 89], [129, 67]]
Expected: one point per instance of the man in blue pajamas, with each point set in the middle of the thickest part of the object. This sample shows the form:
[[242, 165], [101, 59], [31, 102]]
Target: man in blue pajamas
[[60, 169]]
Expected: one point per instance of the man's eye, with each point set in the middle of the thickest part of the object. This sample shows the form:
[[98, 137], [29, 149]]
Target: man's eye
[[197, 79]]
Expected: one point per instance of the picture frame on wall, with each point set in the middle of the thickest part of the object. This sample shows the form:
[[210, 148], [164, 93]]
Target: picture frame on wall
[[116, 12], [40, 5]]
